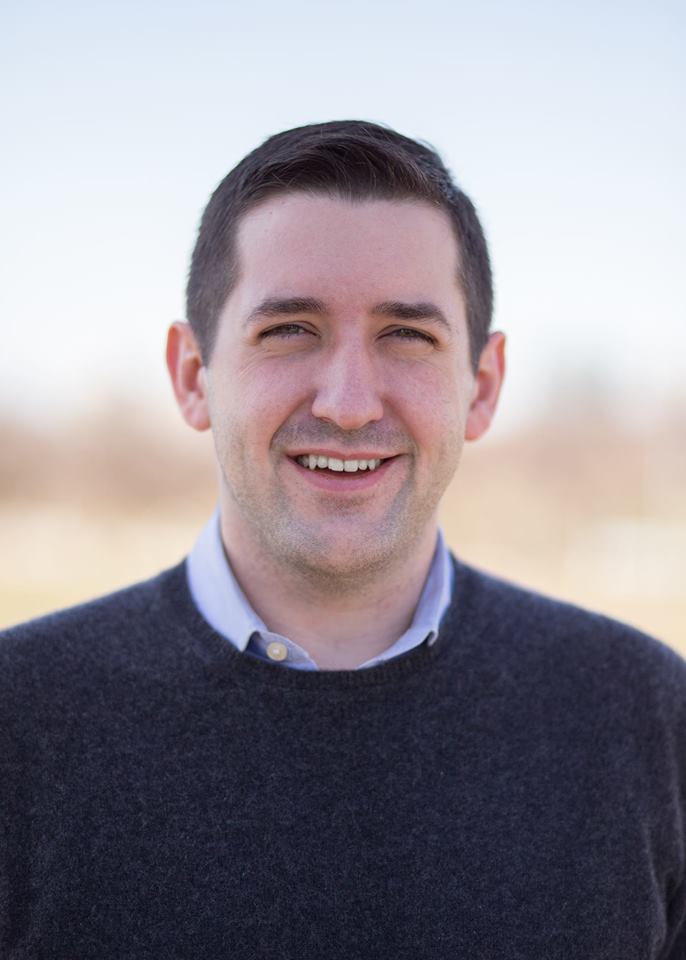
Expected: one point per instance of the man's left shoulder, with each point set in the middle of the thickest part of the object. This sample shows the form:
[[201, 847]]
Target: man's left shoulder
[[542, 630]]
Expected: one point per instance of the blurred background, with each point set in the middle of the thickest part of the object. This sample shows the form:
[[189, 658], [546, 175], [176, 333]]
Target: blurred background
[[564, 122]]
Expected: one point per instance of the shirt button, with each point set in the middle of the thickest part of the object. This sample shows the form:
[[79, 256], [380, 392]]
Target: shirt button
[[276, 650]]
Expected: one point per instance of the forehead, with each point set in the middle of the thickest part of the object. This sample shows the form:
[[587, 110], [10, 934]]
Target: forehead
[[305, 241]]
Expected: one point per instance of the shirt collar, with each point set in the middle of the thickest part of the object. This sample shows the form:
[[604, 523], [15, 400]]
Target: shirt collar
[[433, 603], [215, 590], [223, 604]]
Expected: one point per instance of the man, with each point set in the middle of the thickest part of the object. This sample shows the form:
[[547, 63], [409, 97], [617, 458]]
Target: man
[[323, 736]]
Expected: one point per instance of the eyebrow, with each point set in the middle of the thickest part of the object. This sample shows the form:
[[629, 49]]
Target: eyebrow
[[422, 312], [284, 306]]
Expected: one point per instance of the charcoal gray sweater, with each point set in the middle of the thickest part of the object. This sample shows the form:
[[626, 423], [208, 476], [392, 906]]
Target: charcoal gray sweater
[[514, 791]]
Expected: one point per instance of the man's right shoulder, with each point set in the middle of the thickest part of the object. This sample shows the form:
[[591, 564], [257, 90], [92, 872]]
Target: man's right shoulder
[[109, 626]]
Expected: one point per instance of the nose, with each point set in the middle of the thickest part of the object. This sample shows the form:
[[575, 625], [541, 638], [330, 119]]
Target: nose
[[349, 388]]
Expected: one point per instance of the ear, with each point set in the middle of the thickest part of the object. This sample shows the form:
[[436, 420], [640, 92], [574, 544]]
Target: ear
[[488, 381], [188, 376]]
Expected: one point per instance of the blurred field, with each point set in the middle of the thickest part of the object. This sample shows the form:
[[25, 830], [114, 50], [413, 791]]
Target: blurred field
[[585, 512]]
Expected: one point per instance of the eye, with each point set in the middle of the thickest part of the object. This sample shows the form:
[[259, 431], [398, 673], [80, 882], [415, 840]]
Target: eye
[[284, 331], [410, 333]]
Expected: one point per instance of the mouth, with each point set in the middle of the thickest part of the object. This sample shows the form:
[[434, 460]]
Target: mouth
[[338, 474], [313, 461]]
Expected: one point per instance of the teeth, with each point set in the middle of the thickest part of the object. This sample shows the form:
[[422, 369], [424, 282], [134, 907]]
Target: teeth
[[314, 461]]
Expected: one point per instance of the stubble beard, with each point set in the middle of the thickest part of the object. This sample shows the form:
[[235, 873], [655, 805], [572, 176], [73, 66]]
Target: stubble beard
[[312, 555]]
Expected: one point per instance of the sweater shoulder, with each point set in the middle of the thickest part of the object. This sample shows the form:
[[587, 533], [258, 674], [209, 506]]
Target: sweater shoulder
[[107, 629], [532, 627]]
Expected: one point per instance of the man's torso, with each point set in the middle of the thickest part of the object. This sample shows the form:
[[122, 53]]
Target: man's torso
[[510, 792]]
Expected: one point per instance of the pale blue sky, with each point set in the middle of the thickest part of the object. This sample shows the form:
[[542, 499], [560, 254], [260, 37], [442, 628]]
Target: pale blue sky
[[564, 122]]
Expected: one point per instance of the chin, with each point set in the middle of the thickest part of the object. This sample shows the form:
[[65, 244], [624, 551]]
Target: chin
[[340, 573], [354, 556]]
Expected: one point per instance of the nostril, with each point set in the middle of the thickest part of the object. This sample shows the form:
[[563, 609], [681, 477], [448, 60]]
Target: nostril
[[348, 407]]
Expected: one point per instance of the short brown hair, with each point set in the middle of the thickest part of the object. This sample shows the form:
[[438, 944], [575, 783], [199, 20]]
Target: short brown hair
[[351, 159]]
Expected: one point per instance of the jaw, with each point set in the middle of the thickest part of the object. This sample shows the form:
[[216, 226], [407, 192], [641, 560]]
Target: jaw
[[355, 548], [321, 530], [330, 534]]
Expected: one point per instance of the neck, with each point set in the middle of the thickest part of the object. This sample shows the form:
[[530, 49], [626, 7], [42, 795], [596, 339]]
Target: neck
[[340, 623]]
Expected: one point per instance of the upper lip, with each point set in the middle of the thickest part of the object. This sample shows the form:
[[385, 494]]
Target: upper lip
[[340, 455]]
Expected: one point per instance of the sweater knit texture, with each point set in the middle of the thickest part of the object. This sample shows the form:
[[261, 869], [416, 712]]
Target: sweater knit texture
[[515, 790]]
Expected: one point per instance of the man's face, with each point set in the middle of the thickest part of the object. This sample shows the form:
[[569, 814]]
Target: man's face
[[344, 339]]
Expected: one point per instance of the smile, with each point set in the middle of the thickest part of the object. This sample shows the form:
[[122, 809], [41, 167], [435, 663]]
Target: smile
[[344, 477], [316, 462]]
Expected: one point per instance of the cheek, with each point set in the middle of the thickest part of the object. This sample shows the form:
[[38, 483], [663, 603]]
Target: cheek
[[435, 408], [255, 400]]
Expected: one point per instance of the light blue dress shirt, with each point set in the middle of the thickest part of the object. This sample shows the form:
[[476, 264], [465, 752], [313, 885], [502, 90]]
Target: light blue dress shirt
[[225, 607]]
